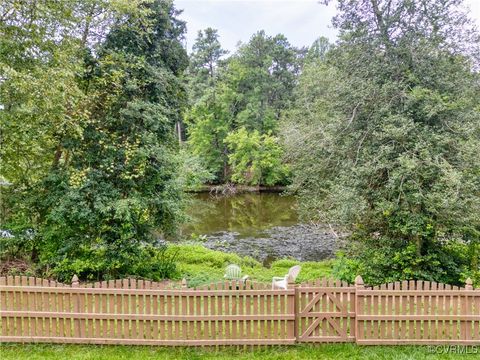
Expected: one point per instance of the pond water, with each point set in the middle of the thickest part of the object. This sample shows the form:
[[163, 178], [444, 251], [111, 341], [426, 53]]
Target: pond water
[[247, 214], [265, 226]]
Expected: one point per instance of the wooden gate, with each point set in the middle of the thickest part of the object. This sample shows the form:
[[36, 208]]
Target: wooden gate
[[325, 311]]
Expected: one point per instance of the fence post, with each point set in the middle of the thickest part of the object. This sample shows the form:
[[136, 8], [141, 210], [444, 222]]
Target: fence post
[[359, 285], [467, 307], [76, 307], [292, 307]]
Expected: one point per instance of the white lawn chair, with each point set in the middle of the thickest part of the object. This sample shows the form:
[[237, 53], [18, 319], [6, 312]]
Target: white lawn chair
[[233, 272], [282, 282]]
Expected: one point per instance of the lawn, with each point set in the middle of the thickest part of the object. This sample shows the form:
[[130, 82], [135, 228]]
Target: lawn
[[200, 265], [323, 351]]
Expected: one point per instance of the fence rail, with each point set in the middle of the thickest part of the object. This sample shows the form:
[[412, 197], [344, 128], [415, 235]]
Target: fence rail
[[130, 311]]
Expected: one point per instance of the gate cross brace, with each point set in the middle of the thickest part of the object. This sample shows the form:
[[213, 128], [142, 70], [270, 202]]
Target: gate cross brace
[[314, 325], [315, 299]]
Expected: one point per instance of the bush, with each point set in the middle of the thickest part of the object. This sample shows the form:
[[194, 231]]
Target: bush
[[153, 262], [451, 262], [346, 269]]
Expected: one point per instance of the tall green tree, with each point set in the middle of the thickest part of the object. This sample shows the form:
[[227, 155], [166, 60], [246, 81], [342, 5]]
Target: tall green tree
[[318, 50], [41, 55], [385, 134], [205, 120], [114, 181], [208, 126], [261, 77], [204, 63], [38, 89]]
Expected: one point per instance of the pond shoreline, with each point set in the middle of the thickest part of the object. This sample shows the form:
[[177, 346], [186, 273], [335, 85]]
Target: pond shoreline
[[301, 242], [236, 189]]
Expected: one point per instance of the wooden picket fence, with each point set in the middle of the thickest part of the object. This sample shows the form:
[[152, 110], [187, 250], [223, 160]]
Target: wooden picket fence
[[417, 312], [141, 312]]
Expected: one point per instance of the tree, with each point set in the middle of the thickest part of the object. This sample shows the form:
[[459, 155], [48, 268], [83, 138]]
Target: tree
[[41, 46], [256, 159], [38, 82], [208, 128], [262, 77], [318, 50], [204, 61], [115, 180], [205, 120], [384, 145]]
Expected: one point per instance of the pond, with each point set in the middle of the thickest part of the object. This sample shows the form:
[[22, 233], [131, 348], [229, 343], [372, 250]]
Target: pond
[[265, 226]]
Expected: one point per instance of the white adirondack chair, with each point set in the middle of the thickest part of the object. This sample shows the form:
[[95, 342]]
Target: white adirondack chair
[[282, 282], [233, 272]]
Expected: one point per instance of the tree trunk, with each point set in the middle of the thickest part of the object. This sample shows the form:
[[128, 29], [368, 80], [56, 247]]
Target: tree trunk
[[419, 244], [57, 157], [382, 26], [225, 163], [86, 29], [178, 128]]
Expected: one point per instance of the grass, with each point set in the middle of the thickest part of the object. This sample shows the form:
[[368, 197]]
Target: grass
[[200, 265], [304, 351]]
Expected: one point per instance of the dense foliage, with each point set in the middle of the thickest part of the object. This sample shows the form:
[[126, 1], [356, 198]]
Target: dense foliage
[[254, 158], [241, 99], [385, 136], [109, 174]]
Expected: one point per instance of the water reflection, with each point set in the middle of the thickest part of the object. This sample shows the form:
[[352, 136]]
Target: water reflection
[[248, 214], [262, 225]]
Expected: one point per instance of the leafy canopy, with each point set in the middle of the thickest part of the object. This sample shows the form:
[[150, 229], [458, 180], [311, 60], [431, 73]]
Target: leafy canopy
[[248, 91], [384, 136]]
